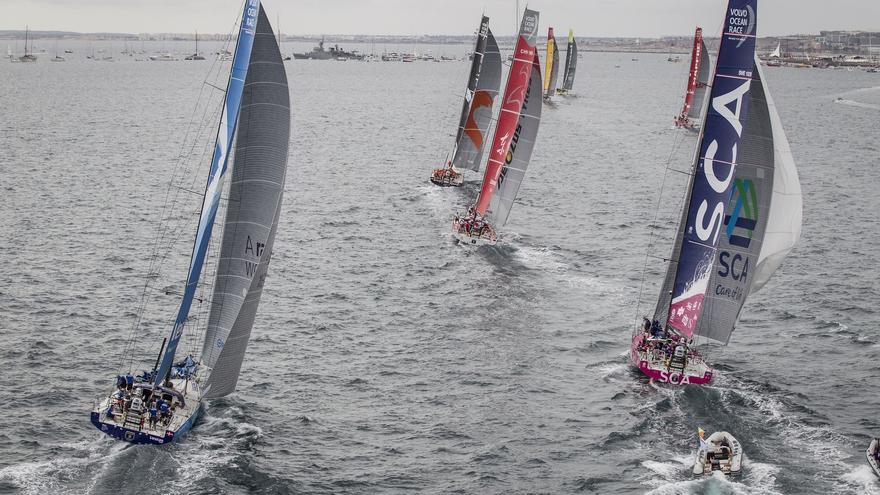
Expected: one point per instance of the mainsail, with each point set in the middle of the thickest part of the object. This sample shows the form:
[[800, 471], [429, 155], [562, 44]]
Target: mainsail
[[255, 192], [571, 59], [225, 134], [518, 83], [520, 152], [476, 112], [696, 247], [762, 220], [698, 78], [552, 65]]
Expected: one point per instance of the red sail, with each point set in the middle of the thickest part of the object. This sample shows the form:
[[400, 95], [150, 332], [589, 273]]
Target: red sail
[[695, 70], [508, 117]]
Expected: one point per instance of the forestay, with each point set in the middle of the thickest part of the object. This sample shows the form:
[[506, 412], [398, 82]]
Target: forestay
[[255, 195], [225, 133]]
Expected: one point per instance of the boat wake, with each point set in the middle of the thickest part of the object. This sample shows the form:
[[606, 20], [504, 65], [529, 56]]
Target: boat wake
[[673, 477], [853, 103]]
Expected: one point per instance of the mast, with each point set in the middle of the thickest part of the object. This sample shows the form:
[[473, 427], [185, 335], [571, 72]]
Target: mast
[[214, 186], [511, 106], [714, 168]]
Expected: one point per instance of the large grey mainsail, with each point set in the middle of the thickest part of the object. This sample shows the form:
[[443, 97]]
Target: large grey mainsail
[[755, 199], [571, 59], [520, 152], [256, 189], [703, 77], [476, 113]]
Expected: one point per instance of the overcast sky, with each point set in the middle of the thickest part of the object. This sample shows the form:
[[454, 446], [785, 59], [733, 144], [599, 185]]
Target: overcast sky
[[647, 18]]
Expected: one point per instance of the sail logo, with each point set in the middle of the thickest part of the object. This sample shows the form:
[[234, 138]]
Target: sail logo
[[721, 105], [511, 151], [744, 212], [250, 20], [481, 99], [529, 25], [741, 22]]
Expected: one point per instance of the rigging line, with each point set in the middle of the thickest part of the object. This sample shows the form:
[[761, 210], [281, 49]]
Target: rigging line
[[130, 345], [675, 146]]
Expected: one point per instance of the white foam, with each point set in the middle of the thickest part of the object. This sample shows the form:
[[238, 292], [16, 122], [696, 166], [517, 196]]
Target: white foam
[[863, 479]]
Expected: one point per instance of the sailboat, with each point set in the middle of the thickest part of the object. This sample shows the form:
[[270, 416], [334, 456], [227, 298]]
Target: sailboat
[[28, 56], [476, 110], [742, 215], [775, 57], [552, 67], [196, 55], [512, 144], [698, 81], [571, 58], [161, 405]]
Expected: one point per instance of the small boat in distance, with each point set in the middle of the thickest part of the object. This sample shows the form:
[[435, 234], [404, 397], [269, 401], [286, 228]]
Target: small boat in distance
[[196, 55], [483, 84], [160, 405], [552, 70], [28, 55], [720, 452], [739, 221], [334, 53], [571, 58], [698, 81], [512, 145], [163, 57]]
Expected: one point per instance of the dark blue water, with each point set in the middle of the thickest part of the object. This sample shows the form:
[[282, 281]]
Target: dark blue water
[[385, 359]]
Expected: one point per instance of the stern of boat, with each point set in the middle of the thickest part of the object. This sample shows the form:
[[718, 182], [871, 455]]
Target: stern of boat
[[653, 365], [473, 238], [446, 177]]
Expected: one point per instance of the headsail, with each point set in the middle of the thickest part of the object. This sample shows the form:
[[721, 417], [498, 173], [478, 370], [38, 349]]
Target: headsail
[[255, 193], [785, 218], [704, 76], [762, 220], [225, 133], [552, 64], [713, 172], [520, 152], [571, 58], [511, 105], [476, 112]]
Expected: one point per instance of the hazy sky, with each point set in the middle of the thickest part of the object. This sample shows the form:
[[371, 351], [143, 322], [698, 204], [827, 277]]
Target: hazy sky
[[648, 18]]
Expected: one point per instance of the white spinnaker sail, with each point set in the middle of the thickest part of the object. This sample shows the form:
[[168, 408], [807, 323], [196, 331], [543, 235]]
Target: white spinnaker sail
[[786, 204]]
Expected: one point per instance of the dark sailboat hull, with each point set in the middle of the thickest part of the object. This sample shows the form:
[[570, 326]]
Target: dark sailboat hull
[[143, 437]]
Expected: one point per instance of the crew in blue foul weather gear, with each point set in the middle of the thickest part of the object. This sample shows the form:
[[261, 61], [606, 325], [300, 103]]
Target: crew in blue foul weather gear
[[164, 413], [657, 330], [153, 415]]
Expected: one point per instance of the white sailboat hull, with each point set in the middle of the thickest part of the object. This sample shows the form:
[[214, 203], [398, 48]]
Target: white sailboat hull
[[705, 463], [870, 456]]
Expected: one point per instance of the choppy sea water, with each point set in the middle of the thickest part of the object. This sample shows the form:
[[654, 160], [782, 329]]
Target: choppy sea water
[[385, 359]]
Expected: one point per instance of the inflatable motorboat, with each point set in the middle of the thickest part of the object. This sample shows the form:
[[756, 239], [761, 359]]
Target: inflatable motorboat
[[871, 454], [720, 452]]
